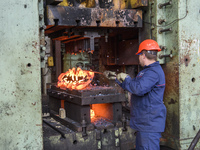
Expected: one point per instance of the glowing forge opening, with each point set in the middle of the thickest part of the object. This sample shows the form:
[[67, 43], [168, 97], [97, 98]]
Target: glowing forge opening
[[101, 112]]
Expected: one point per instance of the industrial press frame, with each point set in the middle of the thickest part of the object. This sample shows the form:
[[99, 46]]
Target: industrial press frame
[[174, 24]]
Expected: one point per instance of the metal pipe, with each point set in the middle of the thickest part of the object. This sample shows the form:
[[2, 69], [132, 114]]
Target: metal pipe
[[164, 4], [93, 71], [194, 141]]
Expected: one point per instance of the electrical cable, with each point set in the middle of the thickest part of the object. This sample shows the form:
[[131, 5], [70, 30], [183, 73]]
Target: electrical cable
[[194, 141], [176, 20], [49, 69]]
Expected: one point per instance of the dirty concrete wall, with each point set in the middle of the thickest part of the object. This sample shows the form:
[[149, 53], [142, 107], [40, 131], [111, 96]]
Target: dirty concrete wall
[[20, 82]]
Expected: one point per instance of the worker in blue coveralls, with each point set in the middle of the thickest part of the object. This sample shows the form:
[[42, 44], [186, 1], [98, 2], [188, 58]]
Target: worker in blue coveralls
[[148, 112]]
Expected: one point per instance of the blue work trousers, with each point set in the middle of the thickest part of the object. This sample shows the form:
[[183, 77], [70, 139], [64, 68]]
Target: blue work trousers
[[148, 140]]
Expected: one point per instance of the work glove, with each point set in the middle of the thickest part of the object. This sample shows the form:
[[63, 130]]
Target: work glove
[[121, 76], [110, 74]]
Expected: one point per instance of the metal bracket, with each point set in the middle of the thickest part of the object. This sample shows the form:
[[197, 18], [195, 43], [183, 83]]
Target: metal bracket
[[98, 134], [84, 128], [91, 35], [124, 123]]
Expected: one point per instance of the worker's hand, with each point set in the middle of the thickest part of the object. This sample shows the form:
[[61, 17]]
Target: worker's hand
[[110, 74], [121, 76]]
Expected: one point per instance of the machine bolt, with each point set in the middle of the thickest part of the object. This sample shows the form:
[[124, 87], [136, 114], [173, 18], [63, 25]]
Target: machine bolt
[[42, 47], [59, 94], [160, 21], [164, 4], [43, 27], [161, 30], [163, 47], [152, 15], [65, 95], [41, 16], [167, 55], [71, 97]]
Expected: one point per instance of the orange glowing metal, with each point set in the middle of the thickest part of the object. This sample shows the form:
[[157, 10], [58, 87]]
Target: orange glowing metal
[[92, 114], [75, 79]]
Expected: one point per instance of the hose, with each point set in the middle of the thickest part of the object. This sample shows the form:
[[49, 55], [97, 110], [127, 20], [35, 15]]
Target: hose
[[194, 141]]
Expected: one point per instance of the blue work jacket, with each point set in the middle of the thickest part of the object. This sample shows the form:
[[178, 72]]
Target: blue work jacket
[[148, 112]]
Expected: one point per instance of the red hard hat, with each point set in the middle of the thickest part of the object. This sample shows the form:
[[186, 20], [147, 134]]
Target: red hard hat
[[149, 45]]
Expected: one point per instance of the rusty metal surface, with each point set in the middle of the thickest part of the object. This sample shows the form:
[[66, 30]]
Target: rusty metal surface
[[120, 48], [79, 3], [57, 127], [110, 139], [86, 97], [127, 50], [128, 4], [52, 28], [78, 104], [72, 124], [102, 123], [53, 2], [93, 17]]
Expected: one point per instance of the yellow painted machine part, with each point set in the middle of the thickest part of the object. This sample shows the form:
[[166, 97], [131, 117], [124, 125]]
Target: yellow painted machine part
[[118, 4], [84, 3], [64, 3], [127, 4], [50, 61]]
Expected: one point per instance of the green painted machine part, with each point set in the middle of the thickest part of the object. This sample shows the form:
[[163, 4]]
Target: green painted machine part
[[175, 26], [75, 60]]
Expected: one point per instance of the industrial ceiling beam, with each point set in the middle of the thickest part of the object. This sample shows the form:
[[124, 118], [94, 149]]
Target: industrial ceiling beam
[[93, 17]]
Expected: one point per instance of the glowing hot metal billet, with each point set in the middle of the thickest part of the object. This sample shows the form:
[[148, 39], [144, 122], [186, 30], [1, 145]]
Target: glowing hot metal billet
[[75, 79]]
